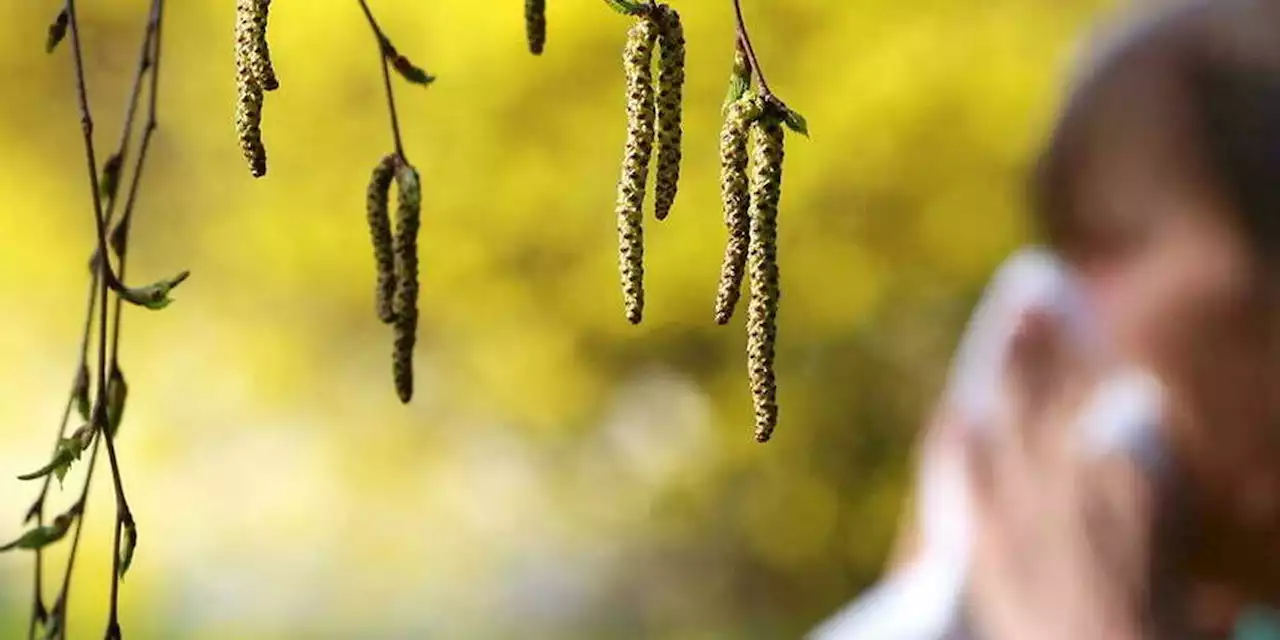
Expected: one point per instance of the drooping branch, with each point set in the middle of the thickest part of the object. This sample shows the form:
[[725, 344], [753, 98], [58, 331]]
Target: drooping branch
[[744, 42], [103, 423], [386, 51]]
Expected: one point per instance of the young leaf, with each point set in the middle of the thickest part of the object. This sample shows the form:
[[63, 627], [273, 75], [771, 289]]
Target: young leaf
[[625, 7], [739, 80], [796, 122], [156, 295], [110, 182], [67, 451], [412, 73], [117, 393], [62, 459], [34, 511], [128, 541], [57, 31], [403, 65], [119, 237], [80, 391], [41, 537]]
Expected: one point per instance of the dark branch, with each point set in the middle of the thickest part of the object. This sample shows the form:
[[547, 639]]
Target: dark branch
[[383, 43], [744, 41], [148, 60], [38, 611]]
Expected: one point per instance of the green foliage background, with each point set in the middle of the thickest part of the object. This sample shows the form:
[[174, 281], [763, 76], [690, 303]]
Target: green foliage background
[[561, 474]]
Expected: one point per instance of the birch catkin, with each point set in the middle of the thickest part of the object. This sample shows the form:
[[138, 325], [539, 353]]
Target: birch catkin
[[637, 63], [535, 24], [380, 231], [762, 312], [265, 72], [670, 99], [405, 306], [250, 23], [735, 198]]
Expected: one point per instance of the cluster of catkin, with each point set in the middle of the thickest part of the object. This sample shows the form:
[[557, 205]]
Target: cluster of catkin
[[254, 75], [396, 258], [535, 25], [751, 154], [650, 114]]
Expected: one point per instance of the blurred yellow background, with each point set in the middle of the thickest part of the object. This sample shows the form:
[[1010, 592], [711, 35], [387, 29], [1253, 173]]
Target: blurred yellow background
[[561, 474]]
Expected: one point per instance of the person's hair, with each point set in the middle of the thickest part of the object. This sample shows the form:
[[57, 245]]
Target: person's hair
[[1222, 60]]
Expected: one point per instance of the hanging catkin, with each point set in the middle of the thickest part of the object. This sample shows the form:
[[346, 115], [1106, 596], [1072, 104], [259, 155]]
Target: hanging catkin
[[762, 312], [250, 20], [380, 231], [735, 198], [670, 99], [637, 63], [265, 72], [405, 307], [535, 24]]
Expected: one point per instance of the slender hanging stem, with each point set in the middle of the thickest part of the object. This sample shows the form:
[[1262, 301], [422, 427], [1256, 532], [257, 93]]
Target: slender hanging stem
[[744, 41], [383, 44], [148, 60], [38, 610]]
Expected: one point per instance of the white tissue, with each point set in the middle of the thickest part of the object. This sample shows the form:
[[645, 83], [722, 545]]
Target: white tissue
[[925, 599]]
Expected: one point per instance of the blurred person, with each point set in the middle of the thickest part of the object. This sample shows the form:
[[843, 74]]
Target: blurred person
[[1159, 191]]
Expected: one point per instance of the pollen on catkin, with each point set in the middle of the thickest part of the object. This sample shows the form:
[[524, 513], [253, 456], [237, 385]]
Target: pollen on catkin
[[263, 68], [762, 312], [535, 24], [637, 62], [380, 231], [250, 17], [405, 305], [735, 199], [670, 99]]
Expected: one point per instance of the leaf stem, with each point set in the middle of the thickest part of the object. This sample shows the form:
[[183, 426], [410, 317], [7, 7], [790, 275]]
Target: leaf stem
[[744, 41], [386, 78]]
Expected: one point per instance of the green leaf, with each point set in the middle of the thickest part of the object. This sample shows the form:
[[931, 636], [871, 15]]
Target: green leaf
[[117, 393], [626, 7], [35, 511], [41, 537], [796, 122], [62, 459], [57, 31], [404, 66], [119, 237], [156, 295], [410, 72], [739, 80], [128, 542], [80, 390], [109, 185], [67, 451], [737, 88]]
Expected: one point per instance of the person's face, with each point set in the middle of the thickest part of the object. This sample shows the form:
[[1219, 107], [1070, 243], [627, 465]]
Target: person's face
[[1162, 263]]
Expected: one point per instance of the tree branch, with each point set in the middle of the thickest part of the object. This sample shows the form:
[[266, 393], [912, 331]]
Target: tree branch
[[148, 59], [383, 43], [744, 41]]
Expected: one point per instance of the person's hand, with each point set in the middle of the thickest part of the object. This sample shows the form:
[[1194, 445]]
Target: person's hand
[[1063, 539]]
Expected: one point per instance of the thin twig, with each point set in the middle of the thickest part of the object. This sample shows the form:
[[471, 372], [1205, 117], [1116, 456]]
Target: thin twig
[[125, 226], [144, 64], [744, 39], [386, 78], [38, 611], [64, 593], [100, 418]]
